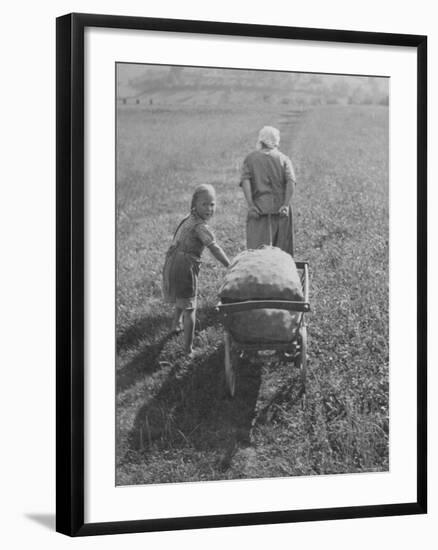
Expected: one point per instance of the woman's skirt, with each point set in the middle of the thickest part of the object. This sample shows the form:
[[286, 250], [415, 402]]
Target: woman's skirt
[[281, 232]]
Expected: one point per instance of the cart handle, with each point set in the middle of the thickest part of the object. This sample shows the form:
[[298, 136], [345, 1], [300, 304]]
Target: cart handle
[[236, 307]]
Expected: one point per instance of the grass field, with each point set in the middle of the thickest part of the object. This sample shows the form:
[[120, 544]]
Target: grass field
[[174, 420]]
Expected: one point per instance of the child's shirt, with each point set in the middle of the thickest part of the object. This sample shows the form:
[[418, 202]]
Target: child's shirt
[[193, 235]]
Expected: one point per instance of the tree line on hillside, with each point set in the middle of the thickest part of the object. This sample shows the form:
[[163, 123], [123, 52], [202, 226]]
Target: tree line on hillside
[[288, 88]]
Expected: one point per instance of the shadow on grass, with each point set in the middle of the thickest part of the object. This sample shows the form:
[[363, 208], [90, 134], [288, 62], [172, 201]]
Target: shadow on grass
[[145, 362], [149, 327], [191, 411], [155, 330]]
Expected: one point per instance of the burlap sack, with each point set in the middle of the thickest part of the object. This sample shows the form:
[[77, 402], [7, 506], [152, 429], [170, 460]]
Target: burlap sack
[[266, 273], [263, 326]]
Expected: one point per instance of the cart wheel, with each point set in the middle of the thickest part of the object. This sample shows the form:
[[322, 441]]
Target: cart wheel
[[230, 374], [302, 357]]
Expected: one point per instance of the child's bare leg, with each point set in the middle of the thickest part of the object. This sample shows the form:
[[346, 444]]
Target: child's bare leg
[[177, 320], [189, 328]]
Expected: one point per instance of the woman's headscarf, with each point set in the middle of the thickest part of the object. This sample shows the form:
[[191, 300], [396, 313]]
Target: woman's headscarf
[[269, 137]]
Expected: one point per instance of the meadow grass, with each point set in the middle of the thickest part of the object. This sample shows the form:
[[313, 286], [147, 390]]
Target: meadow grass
[[174, 421]]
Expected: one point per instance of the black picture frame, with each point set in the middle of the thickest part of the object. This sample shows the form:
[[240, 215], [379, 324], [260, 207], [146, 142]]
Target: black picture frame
[[70, 272]]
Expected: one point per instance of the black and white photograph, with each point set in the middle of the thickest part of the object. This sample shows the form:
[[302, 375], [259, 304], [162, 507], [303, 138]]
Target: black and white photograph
[[252, 274], [217, 264]]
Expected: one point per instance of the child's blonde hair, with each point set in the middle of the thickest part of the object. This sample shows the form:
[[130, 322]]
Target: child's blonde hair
[[200, 190]]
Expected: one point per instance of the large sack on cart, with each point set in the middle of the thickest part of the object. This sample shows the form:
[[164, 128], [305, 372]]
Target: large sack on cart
[[267, 273], [263, 326]]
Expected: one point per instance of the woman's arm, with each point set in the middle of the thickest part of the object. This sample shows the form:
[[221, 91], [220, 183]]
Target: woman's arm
[[252, 208], [219, 254], [289, 191], [246, 187], [290, 187]]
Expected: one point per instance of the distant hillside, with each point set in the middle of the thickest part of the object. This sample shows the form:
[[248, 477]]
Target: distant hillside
[[193, 85]]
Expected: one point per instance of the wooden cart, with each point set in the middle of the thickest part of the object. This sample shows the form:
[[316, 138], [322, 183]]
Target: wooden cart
[[296, 346]]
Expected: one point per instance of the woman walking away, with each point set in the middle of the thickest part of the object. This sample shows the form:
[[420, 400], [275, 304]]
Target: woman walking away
[[268, 183], [183, 260]]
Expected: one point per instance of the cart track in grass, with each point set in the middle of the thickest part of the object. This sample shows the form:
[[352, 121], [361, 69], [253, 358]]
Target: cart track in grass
[[174, 421]]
